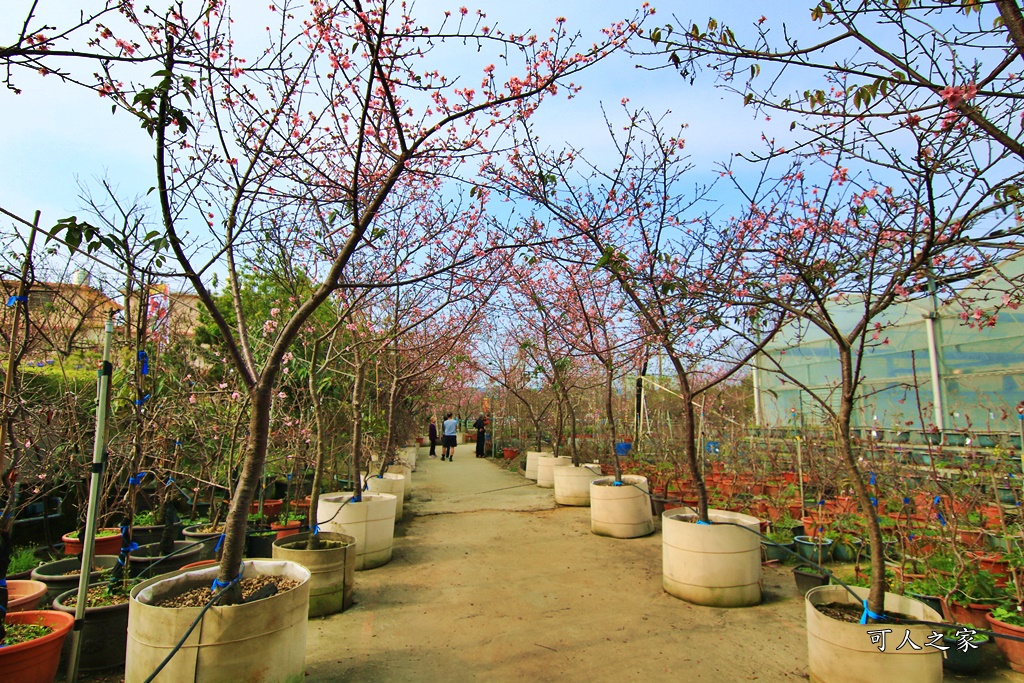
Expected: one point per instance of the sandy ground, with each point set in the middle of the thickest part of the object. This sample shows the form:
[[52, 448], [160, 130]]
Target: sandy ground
[[490, 581]]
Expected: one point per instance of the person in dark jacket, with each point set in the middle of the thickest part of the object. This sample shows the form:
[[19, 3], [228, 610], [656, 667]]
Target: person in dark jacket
[[433, 437], [481, 434]]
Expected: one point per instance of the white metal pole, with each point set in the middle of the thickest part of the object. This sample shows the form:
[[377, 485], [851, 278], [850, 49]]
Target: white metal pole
[[99, 459]]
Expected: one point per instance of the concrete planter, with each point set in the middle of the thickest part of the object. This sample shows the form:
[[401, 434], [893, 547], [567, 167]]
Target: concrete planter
[[622, 511], [546, 465], [390, 483], [532, 458], [370, 521], [332, 569], [717, 564], [840, 652], [260, 641], [572, 484], [405, 471]]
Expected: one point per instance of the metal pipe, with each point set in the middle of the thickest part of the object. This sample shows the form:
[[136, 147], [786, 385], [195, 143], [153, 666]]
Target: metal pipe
[[99, 458]]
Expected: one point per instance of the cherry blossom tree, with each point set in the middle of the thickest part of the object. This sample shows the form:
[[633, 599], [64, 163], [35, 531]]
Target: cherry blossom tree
[[902, 177], [685, 277], [334, 125]]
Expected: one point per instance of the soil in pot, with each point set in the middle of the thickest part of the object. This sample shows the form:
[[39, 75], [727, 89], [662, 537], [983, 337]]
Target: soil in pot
[[34, 660], [198, 597], [104, 633], [851, 614]]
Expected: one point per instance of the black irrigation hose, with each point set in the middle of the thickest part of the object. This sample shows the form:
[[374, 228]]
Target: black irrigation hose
[[833, 577], [192, 627], [175, 552]]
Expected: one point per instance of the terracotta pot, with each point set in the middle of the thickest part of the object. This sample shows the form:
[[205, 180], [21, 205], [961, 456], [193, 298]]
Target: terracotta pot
[[973, 614], [271, 507], [972, 538], [200, 563], [1013, 650], [994, 564], [24, 595], [102, 545], [36, 661], [286, 529]]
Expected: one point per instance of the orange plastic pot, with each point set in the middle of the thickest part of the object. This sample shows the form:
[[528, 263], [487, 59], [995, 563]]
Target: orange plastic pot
[[102, 545], [1013, 650], [288, 529], [36, 661], [975, 614], [200, 563], [24, 595]]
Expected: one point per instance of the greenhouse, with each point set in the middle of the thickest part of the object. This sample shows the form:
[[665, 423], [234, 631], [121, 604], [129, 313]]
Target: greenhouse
[[980, 369]]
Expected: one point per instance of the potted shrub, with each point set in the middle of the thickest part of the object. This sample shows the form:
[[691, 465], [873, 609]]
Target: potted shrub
[[288, 524], [262, 638], [32, 645], [974, 593], [106, 542], [104, 632], [963, 653], [332, 566]]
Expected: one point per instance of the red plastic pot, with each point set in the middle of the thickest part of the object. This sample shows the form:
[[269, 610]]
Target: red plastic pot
[[287, 529], [102, 545], [271, 507], [36, 661], [974, 614], [24, 595], [509, 453], [1013, 650], [994, 564], [200, 563]]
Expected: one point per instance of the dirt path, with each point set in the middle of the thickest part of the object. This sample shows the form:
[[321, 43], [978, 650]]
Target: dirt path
[[490, 581]]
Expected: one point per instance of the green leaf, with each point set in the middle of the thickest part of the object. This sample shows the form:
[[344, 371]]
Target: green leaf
[[656, 36]]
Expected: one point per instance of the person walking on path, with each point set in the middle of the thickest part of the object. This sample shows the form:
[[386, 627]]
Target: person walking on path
[[449, 428], [432, 432], [481, 434]]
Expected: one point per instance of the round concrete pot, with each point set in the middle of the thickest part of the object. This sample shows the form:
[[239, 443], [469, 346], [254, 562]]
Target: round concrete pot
[[259, 641], [717, 564], [620, 511], [546, 465], [532, 458], [332, 569], [406, 472], [841, 652], [572, 484], [371, 521], [390, 483]]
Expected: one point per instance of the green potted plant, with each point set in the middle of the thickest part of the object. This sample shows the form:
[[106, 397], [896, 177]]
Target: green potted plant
[[963, 649], [1007, 619], [288, 523]]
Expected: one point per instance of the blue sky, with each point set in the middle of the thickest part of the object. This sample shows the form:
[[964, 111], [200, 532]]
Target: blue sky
[[58, 136]]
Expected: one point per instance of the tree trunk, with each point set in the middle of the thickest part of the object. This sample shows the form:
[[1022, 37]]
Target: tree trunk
[[609, 407], [357, 428], [321, 449], [876, 594], [252, 469]]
